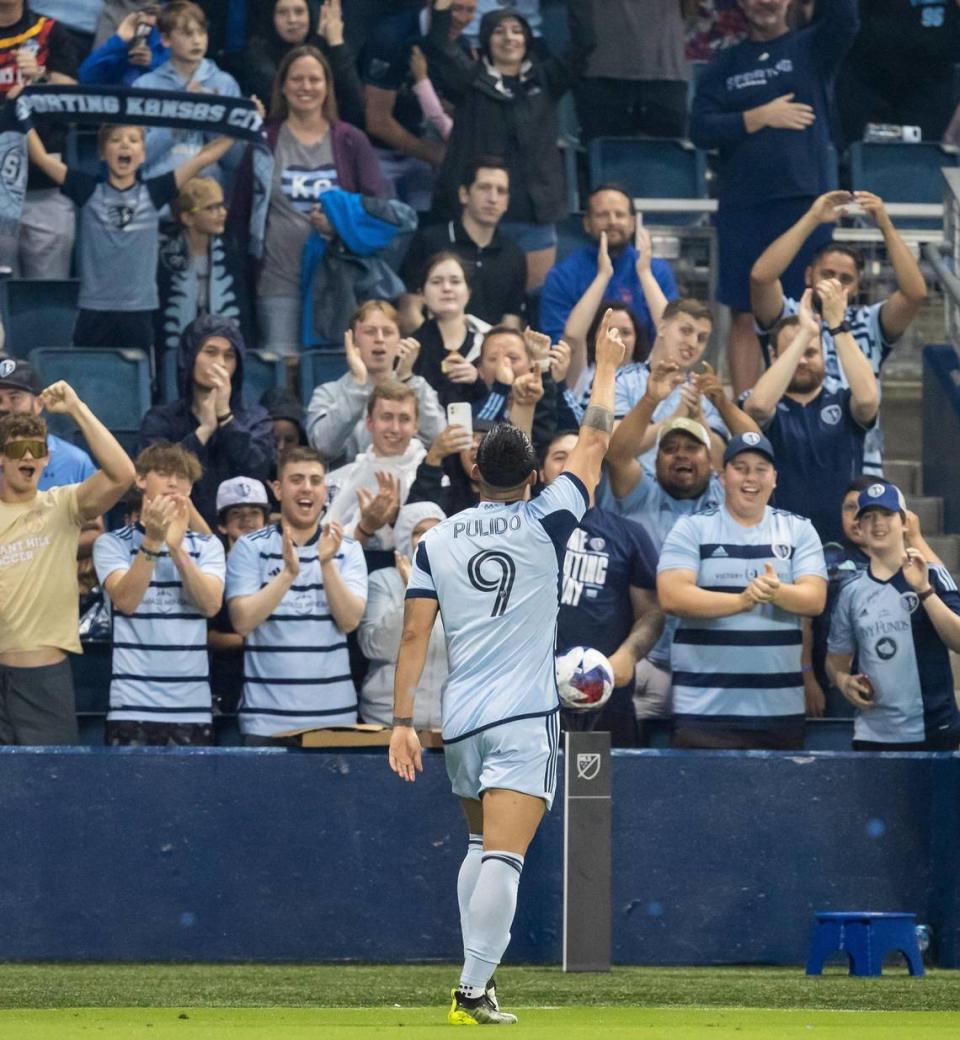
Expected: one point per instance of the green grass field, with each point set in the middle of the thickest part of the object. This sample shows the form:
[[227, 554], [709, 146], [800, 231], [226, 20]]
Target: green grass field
[[270, 1002]]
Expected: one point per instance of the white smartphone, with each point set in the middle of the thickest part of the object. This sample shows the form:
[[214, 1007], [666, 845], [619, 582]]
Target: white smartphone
[[460, 413]]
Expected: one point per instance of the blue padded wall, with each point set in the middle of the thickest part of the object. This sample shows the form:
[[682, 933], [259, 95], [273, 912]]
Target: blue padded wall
[[243, 854]]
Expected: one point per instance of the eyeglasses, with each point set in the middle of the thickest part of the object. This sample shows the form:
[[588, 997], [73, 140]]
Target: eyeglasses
[[18, 449], [213, 207]]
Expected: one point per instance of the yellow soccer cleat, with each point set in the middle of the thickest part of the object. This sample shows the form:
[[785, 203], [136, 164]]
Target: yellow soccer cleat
[[478, 1012]]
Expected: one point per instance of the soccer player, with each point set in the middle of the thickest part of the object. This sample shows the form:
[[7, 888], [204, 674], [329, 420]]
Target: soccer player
[[295, 592], [741, 578], [900, 617], [493, 570], [162, 581]]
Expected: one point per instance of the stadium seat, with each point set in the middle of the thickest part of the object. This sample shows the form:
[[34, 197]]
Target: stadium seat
[[319, 366], [262, 371], [38, 313], [651, 167], [901, 172], [115, 383]]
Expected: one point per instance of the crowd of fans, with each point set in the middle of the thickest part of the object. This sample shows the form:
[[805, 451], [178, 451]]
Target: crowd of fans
[[745, 565]]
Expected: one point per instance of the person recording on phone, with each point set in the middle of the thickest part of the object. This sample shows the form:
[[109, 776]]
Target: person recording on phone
[[876, 327], [818, 433], [135, 48], [899, 618], [335, 423]]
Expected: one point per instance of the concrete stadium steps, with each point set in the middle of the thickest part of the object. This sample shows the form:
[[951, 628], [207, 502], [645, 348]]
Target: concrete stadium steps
[[907, 474], [930, 512], [900, 415]]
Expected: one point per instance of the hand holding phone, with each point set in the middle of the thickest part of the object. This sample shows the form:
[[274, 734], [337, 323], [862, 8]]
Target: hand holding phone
[[460, 413]]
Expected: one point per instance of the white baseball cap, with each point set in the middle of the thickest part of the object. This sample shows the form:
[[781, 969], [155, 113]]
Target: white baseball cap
[[241, 491]]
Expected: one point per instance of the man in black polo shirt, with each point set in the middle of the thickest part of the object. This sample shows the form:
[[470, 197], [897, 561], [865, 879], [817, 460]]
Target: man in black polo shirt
[[817, 434], [497, 266]]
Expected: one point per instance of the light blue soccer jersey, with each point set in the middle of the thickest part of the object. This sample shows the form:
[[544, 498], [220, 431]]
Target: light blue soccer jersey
[[897, 646], [742, 670], [495, 570], [160, 671], [631, 385], [295, 663]]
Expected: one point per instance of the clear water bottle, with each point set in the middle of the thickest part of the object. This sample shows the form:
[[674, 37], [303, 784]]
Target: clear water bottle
[[923, 940]]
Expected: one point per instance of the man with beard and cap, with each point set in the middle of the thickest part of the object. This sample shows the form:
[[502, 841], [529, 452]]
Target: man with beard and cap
[[742, 578], [382, 626], [818, 434], [230, 437], [507, 104], [682, 483]]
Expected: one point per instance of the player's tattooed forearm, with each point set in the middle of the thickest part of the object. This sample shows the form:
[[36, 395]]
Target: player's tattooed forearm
[[598, 418]]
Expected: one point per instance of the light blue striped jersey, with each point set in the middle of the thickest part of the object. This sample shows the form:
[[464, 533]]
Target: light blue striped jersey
[[897, 646], [867, 331], [741, 670], [295, 663], [495, 570], [160, 671], [631, 385]]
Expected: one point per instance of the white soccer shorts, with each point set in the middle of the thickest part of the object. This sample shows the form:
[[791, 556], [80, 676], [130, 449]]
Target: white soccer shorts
[[520, 755]]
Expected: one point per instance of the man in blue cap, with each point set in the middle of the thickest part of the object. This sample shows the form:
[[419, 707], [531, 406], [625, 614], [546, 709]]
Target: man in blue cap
[[900, 616], [741, 577]]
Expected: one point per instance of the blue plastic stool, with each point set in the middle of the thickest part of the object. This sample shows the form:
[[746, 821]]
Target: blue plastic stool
[[866, 939]]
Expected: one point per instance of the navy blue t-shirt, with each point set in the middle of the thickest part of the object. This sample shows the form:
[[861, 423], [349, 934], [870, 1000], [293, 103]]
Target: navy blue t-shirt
[[819, 450], [385, 63], [605, 555], [773, 163]]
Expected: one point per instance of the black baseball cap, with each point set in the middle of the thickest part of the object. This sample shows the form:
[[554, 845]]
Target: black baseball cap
[[17, 374]]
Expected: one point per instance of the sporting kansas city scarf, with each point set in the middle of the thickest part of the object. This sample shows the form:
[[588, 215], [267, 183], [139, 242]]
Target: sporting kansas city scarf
[[85, 106]]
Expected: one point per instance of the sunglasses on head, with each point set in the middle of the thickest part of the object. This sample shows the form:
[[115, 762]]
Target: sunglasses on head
[[18, 449]]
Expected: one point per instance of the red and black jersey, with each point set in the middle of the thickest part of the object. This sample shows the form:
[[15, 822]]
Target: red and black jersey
[[53, 46]]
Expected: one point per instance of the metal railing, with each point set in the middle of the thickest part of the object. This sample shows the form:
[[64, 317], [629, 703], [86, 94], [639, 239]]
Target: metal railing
[[944, 256]]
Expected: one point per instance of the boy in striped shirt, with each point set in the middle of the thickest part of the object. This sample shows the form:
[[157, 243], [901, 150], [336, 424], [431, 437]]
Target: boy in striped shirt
[[162, 582]]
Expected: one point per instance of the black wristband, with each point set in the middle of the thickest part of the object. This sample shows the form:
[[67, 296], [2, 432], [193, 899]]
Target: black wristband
[[406, 720], [221, 419], [844, 326]]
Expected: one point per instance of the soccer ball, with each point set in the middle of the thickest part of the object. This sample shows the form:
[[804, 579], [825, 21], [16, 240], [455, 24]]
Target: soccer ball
[[584, 679]]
